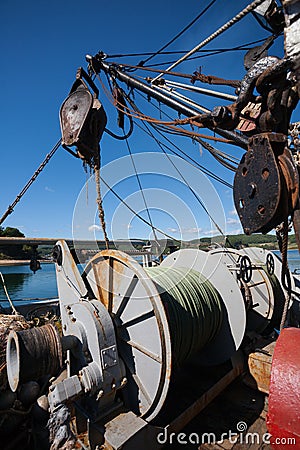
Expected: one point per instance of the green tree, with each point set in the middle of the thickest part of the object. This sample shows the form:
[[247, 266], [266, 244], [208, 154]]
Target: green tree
[[11, 251], [12, 232]]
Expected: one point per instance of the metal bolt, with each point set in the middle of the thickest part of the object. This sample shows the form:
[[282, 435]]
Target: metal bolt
[[123, 382], [100, 394]]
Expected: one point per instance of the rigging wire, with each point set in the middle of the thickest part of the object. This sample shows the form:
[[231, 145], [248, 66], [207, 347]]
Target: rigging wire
[[138, 114], [30, 182], [116, 73], [174, 52], [134, 107], [185, 181], [134, 212], [191, 161], [172, 125], [216, 153], [141, 63], [193, 58], [193, 192], [14, 311], [220, 153], [214, 35], [141, 189]]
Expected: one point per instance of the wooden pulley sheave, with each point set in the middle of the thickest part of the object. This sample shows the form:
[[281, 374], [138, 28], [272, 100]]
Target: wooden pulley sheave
[[83, 119], [266, 185]]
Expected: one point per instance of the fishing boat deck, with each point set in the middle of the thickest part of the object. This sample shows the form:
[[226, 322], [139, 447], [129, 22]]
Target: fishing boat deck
[[236, 405]]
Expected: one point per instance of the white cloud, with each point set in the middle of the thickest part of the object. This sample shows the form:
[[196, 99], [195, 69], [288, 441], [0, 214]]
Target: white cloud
[[172, 230], [231, 221], [233, 212], [235, 231], [210, 232], [49, 189], [192, 230], [94, 228]]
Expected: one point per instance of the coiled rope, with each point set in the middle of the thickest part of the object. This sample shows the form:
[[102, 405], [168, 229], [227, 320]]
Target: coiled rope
[[193, 308]]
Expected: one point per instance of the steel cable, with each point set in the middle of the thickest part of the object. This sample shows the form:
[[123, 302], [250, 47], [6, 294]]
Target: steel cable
[[30, 182], [217, 33], [180, 33], [193, 308]]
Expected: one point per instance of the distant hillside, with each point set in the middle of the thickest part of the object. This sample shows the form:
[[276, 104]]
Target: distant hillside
[[242, 240]]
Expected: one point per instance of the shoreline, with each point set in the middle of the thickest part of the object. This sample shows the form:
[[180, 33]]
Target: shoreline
[[21, 262]]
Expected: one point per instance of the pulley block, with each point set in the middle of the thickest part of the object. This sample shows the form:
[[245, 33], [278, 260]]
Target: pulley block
[[266, 184], [82, 119]]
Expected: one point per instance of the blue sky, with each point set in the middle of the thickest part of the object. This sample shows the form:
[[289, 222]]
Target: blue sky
[[42, 44]]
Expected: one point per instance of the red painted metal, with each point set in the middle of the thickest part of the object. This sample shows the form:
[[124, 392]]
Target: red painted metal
[[283, 419]]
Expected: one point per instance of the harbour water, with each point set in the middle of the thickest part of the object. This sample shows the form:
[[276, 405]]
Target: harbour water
[[22, 284]]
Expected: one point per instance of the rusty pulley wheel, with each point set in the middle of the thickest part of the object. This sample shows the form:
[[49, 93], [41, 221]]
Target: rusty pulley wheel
[[266, 184], [257, 186]]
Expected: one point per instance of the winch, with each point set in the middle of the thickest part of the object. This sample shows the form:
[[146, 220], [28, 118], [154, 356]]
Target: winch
[[127, 331]]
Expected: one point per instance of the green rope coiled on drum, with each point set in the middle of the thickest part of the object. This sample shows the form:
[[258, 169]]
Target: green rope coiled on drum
[[193, 307]]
